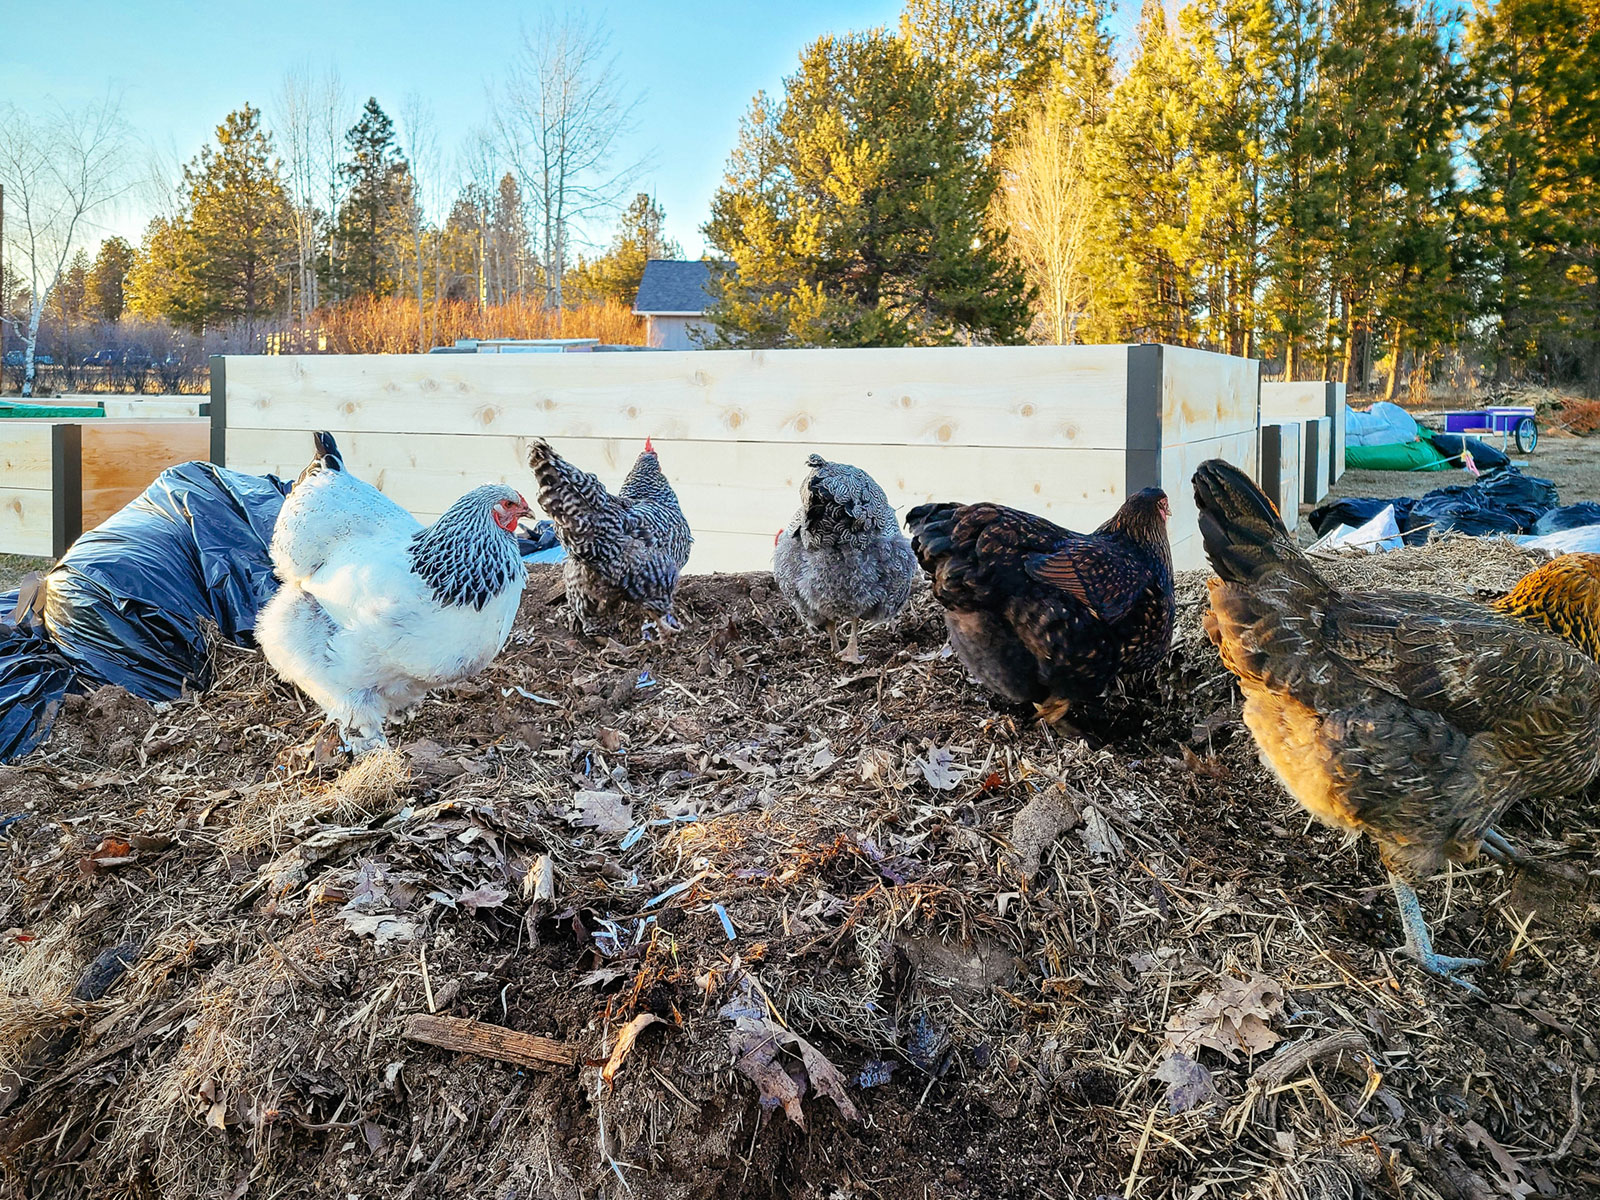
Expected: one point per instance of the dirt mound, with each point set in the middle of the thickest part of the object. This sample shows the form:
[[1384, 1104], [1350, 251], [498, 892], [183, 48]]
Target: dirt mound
[[735, 920]]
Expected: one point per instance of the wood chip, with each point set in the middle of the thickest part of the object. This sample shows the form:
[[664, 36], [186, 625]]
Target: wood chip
[[466, 1036]]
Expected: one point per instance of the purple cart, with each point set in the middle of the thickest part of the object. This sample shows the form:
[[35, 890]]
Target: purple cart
[[1514, 423]]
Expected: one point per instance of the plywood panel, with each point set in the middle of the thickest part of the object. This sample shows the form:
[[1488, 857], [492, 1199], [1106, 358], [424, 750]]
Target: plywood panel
[[1315, 460], [122, 458], [1280, 468], [1024, 396], [25, 522], [1294, 401], [25, 454], [1206, 395], [727, 487], [1178, 465]]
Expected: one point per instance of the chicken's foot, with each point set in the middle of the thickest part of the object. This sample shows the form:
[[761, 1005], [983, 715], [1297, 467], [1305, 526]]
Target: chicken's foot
[[1419, 942], [852, 650], [1501, 849]]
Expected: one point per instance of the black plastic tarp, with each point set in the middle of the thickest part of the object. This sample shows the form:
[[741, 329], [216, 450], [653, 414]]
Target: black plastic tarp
[[1570, 516], [1484, 456], [131, 603], [1504, 501]]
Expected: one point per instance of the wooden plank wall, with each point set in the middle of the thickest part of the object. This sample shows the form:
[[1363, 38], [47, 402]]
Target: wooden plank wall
[[1210, 408], [122, 458], [1042, 428], [26, 524], [103, 463], [1306, 401]]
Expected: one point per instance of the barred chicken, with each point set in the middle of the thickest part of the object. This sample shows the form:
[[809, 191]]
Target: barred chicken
[[1412, 718], [1040, 614], [843, 560], [373, 608], [624, 552]]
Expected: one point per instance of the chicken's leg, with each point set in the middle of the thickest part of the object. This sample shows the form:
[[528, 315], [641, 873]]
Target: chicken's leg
[[833, 638], [852, 650], [1419, 942]]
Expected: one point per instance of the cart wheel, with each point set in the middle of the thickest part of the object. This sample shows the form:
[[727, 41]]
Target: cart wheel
[[1527, 435]]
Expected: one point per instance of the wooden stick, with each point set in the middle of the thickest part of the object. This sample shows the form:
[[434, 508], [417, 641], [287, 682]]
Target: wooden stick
[[466, 1036]]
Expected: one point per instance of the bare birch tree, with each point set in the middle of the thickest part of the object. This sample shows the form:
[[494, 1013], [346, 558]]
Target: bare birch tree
[[1046, 202], [296, 126], [559, 121], [59, 171], [420, 145]]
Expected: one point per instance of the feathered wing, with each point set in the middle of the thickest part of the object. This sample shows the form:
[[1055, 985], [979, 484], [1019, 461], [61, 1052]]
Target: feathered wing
[[326, 509], [586, 515], [1107, 578], [1414, 718]]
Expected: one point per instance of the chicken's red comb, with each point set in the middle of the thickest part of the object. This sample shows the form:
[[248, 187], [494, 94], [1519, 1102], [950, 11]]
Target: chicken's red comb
[[648, 448], [777, 537]]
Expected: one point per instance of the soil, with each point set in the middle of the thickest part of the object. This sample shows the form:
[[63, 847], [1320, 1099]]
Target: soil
[[890, 939]]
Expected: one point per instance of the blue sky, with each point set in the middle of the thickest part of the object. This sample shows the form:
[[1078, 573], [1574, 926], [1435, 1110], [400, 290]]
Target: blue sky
[[182, 67]]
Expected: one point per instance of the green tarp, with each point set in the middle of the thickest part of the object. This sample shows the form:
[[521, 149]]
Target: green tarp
[[56, 411], [1402, 456]]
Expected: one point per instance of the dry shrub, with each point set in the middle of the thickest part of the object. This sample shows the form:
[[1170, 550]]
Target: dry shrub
[[270, 811], [1579, 416], [389, 325]]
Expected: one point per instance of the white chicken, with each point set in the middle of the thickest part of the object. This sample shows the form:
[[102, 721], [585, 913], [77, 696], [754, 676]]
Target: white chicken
[[374, 608]]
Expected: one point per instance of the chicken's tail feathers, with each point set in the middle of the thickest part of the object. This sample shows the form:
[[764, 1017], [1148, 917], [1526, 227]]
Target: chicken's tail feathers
[[325, 458], [1244, 536], [931, 527]]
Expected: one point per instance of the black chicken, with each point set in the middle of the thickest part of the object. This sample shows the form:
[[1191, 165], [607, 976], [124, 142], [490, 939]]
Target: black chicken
[[1043, 615]]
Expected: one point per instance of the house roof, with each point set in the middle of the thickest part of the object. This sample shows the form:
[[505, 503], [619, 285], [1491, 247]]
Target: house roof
[[671, 287]]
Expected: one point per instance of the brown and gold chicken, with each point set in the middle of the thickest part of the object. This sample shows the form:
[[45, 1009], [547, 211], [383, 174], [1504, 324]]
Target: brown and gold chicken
[[1412, 718], [1563, 597], [1040, 614]]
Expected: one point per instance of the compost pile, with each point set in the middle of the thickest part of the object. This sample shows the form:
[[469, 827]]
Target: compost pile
[[789, 927]]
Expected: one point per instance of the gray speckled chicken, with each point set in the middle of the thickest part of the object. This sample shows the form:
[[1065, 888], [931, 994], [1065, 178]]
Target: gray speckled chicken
[[843, 559], [624, 552]]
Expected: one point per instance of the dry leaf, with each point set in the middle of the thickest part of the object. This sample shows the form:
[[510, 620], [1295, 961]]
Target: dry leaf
[[1230, 1019], [380, 927], [485, 895], [755, 1049], [1098, 836], [940, 769], [755, 1042], [625, 1040], [604, 812], [1189, 1084]]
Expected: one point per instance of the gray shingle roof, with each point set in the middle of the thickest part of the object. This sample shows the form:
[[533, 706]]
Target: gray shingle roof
[[672, 286]]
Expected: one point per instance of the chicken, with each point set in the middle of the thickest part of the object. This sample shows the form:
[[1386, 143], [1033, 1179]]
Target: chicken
[[843, 559], [1414, 719], [624, 552], [1040, 614], [374, 609], [1562, 597]]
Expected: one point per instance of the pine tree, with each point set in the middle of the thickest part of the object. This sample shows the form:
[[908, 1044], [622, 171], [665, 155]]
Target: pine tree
[[1532, 214], [1143, 163], [616, 274], [155, 284], [1076, 65], [986, 50], [108, 277], [855, 213], [374, 219], [69, 297], [235, 240]]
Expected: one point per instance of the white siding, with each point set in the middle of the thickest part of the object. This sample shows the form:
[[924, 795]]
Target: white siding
[[671, 333]]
